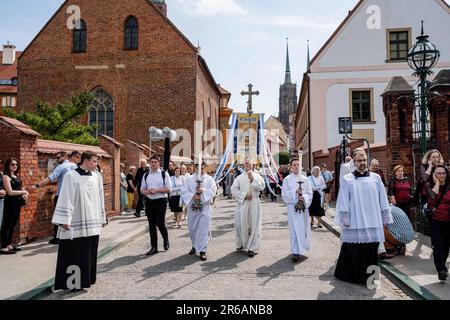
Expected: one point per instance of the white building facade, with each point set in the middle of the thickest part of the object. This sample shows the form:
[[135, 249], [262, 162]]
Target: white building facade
[[350, 72]]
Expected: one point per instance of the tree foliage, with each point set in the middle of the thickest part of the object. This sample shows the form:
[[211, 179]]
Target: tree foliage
[[60, 122]]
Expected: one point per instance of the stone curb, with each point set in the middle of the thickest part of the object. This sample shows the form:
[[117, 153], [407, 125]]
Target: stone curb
[[400, 279], [45, 289]]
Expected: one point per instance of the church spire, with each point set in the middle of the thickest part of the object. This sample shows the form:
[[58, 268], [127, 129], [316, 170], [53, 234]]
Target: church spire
[[308, 61], [287, 78]]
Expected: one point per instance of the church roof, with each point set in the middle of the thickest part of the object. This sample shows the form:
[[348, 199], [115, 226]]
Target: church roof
[[287, 77]]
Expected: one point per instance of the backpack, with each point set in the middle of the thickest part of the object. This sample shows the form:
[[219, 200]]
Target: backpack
[[163, 175]]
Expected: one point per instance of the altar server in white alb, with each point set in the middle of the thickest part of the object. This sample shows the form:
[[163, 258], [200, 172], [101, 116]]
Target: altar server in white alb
[[198, 193], [298, 219], [248, 219], [361, 211], [80, 213]]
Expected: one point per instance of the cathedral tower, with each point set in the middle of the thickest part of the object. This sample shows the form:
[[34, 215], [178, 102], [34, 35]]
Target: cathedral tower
[[288, 95]]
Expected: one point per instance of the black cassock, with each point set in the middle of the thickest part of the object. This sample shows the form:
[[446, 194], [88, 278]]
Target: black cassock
[[79, 252], [76, 266]]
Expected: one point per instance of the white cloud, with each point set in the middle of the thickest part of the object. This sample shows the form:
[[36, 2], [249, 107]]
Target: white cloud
[[252, 38], [211, 7], [290, 21]]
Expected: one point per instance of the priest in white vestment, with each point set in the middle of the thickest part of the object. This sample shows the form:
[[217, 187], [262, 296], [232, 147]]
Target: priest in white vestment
[[248, 220], [80, 215], [298, 220], [362, 210], [199, 200]]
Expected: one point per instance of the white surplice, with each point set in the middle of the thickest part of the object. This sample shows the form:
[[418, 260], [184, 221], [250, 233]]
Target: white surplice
[[248, 218], [199, 222], [299, 227], [362, 209], [81, 206]]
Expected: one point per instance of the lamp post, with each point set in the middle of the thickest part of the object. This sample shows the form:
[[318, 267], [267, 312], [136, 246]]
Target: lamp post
[[422, 57], [166, 134]]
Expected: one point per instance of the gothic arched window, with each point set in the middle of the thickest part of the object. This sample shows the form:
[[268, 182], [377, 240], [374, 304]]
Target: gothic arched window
[[131, 33], [102, 113], [79, 38]]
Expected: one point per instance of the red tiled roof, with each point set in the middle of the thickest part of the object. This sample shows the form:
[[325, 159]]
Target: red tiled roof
[[8, 71], [53, 147], [115, 142], [135, 144], [16, 124]]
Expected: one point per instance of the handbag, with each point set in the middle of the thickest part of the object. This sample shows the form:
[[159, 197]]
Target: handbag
[[22, 202], [428, 211]]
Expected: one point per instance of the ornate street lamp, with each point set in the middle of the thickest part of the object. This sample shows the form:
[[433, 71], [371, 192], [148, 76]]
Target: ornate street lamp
[[422, 57]]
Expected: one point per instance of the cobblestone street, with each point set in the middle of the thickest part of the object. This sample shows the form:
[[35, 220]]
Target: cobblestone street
[[129, 274]]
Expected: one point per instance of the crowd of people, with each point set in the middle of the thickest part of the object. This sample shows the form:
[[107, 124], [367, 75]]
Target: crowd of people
[[374, 215]]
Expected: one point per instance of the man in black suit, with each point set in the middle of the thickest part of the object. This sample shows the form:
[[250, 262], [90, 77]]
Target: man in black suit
[[137, 182]]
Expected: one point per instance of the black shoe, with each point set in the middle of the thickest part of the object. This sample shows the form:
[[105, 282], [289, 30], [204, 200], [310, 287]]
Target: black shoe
[[442, 275], [137, 215], [192, 251], [251, 254], [295, 258], [152, 251], [7, 252], [166, 246], [16, 249], [239, 249], [385, 256], [54, 241], [203, 256]]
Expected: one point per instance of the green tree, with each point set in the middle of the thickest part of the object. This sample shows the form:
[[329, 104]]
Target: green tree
[[61, 121], [283, 158]]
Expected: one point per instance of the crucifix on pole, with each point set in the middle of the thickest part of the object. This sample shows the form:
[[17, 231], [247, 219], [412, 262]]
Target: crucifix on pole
[[250, 93]]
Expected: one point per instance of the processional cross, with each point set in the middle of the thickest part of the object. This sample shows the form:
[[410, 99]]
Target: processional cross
[[250, 93]]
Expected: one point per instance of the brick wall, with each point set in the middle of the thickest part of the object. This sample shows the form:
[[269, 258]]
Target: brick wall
[[399, 126], [440, 120], [132, 154], [208, 103], [401, 147], [111, 172], [21, 142], [154, 85]]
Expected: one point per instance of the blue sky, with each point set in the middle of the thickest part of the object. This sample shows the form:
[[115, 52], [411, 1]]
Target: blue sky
[[242, 41]]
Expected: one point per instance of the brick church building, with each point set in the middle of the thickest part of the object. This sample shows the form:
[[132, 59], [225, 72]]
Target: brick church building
[[143, 70]]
